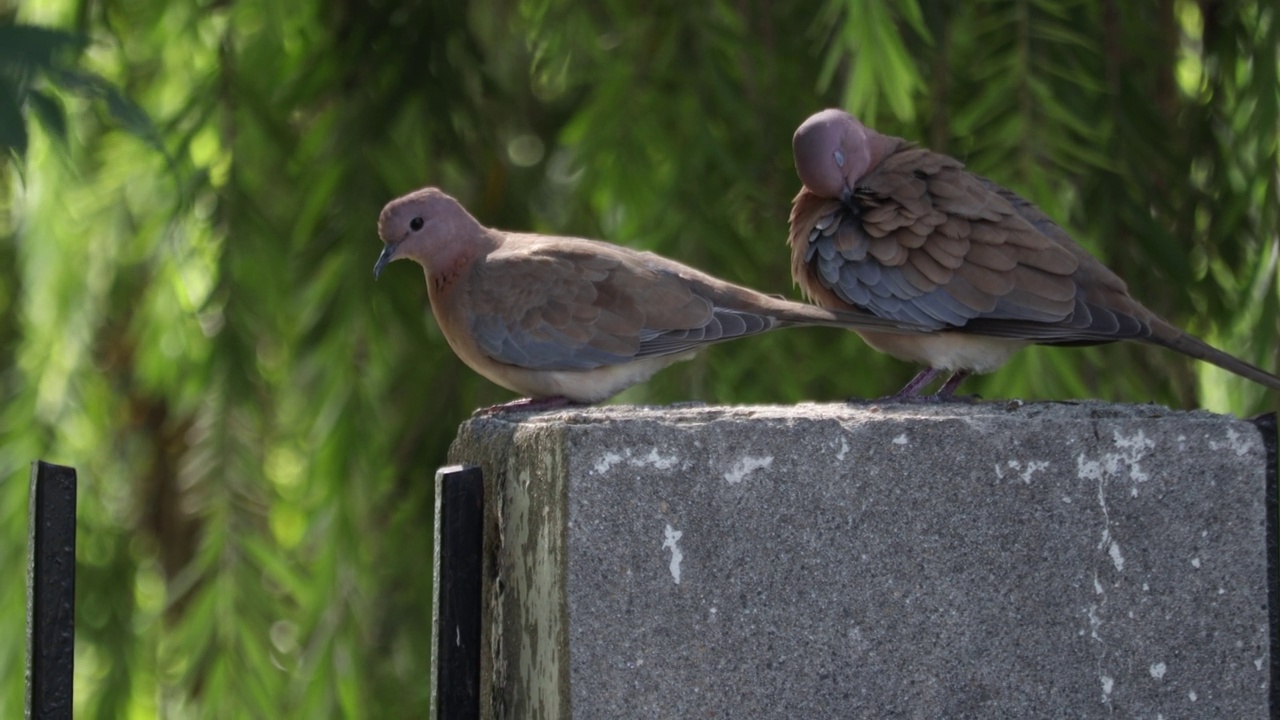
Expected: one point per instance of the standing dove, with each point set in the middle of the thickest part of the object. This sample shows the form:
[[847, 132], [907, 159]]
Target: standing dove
[[570, 320], [904, 233]]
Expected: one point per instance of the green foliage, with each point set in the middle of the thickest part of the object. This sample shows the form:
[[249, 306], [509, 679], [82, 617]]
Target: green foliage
[[256, 423], [26, 53], [31, 56]]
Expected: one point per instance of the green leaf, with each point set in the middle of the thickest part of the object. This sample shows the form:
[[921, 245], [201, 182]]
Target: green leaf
[[50, 113], [35, 47], [13, 127]]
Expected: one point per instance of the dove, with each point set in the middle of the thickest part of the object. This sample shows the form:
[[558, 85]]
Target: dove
[[562, 319], [889, 228]]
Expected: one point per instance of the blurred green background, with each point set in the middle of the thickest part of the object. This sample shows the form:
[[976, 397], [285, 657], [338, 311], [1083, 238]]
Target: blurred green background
[[187, 231]]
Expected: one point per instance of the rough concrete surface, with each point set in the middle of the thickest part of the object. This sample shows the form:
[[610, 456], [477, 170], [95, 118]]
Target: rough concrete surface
[[835, 561]]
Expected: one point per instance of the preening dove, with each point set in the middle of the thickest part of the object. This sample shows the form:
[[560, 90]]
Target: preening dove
[[566, 319], [904, 233]]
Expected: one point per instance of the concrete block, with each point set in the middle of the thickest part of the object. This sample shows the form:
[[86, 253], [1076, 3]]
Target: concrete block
[[833, 561]]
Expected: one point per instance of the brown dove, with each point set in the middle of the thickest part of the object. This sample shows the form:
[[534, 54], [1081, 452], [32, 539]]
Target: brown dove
[[904, 233], [566, 319]]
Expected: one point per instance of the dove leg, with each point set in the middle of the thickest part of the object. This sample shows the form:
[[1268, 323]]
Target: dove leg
[[919, 382], [948, 389], [910, 393]]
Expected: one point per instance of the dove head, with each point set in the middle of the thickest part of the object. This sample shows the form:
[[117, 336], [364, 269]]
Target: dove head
[[833, 151], [428, 227]]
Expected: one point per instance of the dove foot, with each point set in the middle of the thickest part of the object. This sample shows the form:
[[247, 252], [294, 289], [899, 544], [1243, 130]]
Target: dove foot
[[910, 393], [898, 398], [939, 398], [527, 405]]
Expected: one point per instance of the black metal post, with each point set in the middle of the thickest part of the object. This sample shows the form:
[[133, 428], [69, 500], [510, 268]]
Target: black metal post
[[459, 542], [1267, 427], [51, 591]]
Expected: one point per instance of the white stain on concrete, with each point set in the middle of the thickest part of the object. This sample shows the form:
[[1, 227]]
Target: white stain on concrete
[[1192, 696], [901, 439], [744, 467], [1116, 558], [1095, 622], [672, 537], [1195, 563], [1158, 670], [1125, 463], [844, 448], [1031, 468], [1236, 444], [653, 459], [1132, 450], [1025, 470], [1106, 541], [606, 462], [1090, 469], [659, 462]]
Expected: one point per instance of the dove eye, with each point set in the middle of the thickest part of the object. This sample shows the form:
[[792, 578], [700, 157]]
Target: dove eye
[[839, 156], [416, 224]]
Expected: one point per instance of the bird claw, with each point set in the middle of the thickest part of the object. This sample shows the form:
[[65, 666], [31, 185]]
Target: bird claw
[[910, 393], [940, 398], [908, 399], [525, 405]]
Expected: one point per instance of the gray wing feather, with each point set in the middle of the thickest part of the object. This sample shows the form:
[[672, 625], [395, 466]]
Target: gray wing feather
[[547, 349], [725, 324], [882, 290], [529, 341]]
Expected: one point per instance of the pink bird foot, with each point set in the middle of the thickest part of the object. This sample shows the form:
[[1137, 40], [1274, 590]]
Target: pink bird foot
[[910, 393], [526, 405]]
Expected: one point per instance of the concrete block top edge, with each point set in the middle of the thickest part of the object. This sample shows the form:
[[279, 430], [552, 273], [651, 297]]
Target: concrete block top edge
[[698, 413]]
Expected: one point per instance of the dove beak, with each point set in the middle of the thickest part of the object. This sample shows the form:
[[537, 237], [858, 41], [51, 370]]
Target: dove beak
[[847, 195], [388, 254]]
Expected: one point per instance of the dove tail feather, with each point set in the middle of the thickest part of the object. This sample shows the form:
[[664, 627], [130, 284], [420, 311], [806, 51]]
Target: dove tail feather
[[1174, 339], [805, 314]]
